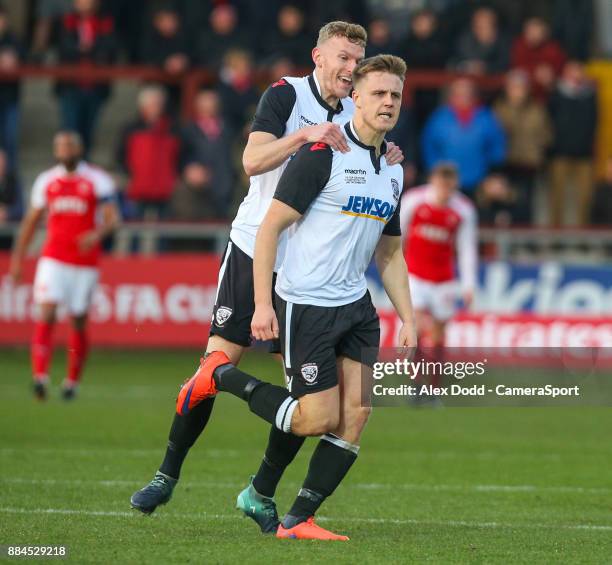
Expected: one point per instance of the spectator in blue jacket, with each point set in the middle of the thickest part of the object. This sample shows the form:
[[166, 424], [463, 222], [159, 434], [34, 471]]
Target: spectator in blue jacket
[[466, 133]]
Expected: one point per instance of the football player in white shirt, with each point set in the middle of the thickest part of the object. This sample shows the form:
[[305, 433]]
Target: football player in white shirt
[[342, 209], [293, 111]]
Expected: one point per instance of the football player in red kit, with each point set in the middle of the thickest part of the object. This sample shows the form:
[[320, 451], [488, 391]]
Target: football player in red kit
[[79, 201], [440, 226]]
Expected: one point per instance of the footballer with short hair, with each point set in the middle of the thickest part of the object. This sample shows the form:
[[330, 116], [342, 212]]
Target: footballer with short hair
[[341, 209], [439, 224], [292, 111], [73, 195]]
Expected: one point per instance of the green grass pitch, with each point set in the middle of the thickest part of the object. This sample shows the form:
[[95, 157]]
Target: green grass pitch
[[459, 485]]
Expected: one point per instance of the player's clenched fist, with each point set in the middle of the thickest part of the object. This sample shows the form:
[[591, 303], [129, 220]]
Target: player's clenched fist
[[264, 324], [329, 133], [407, 336]]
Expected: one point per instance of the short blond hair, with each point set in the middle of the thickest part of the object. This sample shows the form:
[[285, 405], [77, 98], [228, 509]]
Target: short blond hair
[[380, 63], [353, 32]]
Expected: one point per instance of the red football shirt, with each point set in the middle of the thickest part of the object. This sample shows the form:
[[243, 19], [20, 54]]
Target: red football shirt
[[435, 235], [71, 201]]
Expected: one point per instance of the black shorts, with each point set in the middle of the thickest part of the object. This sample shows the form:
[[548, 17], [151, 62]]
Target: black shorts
[[313, 337], [235, 302]]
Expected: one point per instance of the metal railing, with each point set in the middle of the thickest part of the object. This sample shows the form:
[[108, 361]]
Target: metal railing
[[192, 80], [586, 246]]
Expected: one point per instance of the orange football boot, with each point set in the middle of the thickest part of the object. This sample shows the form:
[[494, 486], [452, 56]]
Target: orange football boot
[[201, 385], [308, 530]]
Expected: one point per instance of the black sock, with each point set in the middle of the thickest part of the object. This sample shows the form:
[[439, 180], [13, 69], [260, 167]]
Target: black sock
[[272, 403], [184, 432], [282, 449], [229, 378], [329, 464]]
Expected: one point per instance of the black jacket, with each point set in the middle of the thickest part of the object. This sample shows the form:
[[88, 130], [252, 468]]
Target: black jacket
[[10, 195], [574, 119], [216, 155], [429, 53], [9, 91], [103, 50], [601, 209], [157, 48]]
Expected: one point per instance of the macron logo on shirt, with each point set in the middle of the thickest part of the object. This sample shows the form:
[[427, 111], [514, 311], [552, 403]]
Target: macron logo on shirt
[[367, 207]]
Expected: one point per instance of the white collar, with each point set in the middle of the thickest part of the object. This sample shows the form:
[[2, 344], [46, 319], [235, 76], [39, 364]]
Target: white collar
[[316, 81]]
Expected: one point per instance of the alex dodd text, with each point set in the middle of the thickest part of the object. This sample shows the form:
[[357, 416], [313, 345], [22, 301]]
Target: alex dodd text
[[549, 391]]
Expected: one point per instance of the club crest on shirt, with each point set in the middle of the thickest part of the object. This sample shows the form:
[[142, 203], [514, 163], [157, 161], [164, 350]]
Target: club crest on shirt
[[222, 315], [395, 188], [310, 372]]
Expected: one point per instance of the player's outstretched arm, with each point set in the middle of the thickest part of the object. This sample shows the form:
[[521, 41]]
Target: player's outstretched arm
[[279, 217], [26, 233], [264, 151], [394, 274]]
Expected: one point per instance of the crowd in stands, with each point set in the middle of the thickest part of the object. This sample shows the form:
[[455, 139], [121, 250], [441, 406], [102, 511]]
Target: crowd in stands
[[538, 130]]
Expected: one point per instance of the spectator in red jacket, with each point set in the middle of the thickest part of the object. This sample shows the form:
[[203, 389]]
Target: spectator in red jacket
[[85, 37], [149, 154], [541, 56]]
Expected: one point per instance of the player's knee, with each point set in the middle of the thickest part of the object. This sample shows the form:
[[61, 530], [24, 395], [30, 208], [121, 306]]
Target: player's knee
[[328, 424], [362, 414], [232, 350], [47, 318], [79, 323], [356, 420], [314, 424]]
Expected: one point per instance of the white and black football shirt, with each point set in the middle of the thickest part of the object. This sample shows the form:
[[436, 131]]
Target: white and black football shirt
[[285, 107], [348, 200]]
